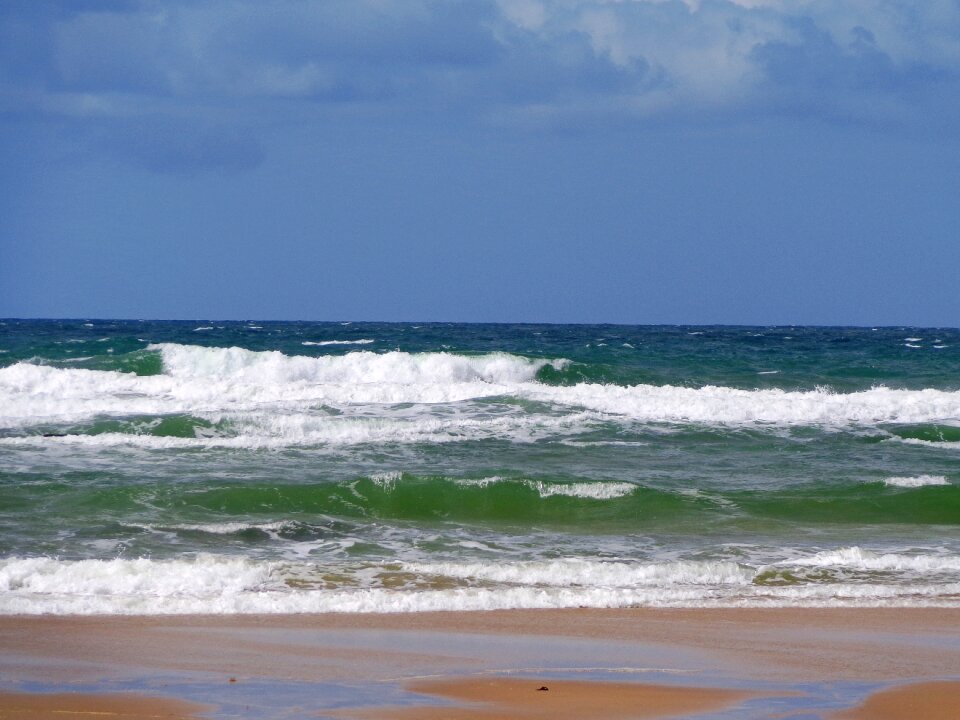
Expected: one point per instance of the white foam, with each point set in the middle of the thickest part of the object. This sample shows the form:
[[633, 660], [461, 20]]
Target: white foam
[[918, 481], [229, 585], [588, 490], [912, 339], [365, 368], [481, 482], [274, 430], [945, 444], [210, 380], [387, 480], [269, 394], [362, 341], [128, 582], [476, 545], [724, 405], [860, 559], [604, 443], [585, 490], [592, 573]]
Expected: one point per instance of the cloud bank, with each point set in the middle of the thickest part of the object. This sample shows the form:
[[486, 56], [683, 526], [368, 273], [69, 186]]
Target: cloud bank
[[182, 86]]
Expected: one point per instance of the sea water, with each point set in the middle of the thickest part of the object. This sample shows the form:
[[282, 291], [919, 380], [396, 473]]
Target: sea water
[[242, 467]]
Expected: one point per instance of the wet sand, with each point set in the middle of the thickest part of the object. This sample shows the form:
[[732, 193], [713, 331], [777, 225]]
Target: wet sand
[[503, 698], [651, 663], [27, 706], [929, 701]]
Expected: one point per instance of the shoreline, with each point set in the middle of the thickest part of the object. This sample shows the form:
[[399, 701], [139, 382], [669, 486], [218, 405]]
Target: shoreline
[[825, 661]]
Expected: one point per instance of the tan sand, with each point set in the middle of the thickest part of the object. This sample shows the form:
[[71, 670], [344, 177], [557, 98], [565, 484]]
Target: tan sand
[[768, 644], [505, 698], [919, 701], [772, 648], [24, 706]]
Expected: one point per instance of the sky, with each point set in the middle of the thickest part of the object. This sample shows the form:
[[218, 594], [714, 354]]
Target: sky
[[624, 161]]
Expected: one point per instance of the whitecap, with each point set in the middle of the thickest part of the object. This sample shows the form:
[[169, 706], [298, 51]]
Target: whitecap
[[732, 406], [945, 444], [917, 481], [587, 490], [270, 393], [387, 480], [861, 559], [362, 341], [480, 482]]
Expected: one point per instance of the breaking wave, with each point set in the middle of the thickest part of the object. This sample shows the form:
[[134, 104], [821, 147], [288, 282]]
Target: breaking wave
[[266, 391], [218, 584]]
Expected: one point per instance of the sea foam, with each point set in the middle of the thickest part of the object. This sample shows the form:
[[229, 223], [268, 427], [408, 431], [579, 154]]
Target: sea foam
[[322, 343], [269, 390], [860, 559], [216, 584], [915, 482]]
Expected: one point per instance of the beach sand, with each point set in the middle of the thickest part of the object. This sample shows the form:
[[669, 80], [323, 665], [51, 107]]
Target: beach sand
[[502, 698], [848, 664], [62, 706], [929, 701]]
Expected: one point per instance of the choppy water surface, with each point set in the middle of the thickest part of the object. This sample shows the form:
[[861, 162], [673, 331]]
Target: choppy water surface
[[161, 467]]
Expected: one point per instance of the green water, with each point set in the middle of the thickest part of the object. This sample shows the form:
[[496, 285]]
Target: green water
[[396, 466]]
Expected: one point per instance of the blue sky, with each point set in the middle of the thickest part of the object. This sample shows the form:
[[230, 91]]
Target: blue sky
[[637, 161]]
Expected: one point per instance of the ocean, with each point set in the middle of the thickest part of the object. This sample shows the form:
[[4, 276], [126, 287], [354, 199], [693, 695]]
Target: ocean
[[152, 467]]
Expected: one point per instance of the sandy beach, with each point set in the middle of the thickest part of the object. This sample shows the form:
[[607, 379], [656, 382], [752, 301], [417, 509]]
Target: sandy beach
[[637, 663]]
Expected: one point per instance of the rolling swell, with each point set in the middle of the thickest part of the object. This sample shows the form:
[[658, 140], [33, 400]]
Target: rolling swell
[[593, 507], [928, 432]]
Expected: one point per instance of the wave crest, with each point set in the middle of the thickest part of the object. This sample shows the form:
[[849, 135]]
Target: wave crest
[[265, 387]]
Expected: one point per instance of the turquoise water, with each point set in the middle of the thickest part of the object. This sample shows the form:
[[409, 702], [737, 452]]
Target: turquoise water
[[158, 467]]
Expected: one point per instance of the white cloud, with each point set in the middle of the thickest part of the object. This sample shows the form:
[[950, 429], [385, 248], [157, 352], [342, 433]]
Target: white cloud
[[706, 50], [528, 14], [508, 58]]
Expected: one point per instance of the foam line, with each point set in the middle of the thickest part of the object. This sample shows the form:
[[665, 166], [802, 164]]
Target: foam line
[[228, 585], [208, 381]]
